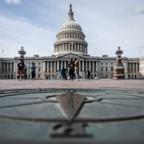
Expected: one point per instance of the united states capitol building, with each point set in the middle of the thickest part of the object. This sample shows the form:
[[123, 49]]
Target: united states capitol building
[[70, 43]]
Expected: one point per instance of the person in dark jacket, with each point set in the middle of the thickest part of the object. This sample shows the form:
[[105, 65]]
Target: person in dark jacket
[[33, 71], [88, 74], [20, 69], [71, 69], [63, 73]]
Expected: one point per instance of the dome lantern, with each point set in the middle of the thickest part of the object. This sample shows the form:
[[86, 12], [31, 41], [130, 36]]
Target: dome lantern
[[71, 14]]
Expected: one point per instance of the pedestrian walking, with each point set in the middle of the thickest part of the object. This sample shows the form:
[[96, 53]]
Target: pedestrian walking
[[76, 68], [71, 69], [33, 71], [88, 74], [20, 69], [63, 73]]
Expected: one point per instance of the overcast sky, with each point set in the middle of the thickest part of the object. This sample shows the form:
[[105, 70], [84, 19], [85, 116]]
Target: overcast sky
[[107, 24]]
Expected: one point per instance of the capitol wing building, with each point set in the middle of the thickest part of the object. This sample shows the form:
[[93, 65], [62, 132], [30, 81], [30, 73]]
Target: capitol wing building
[[70, 43]]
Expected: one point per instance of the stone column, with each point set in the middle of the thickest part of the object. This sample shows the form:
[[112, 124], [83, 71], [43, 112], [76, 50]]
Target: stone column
[[129, 73], [97, 70], [82, 65], [93, 66], [130, 70], [14, 67], [132, 67], [86, 66], [133, 70], [61, 47], [61, 65], [43, 69], [80, 47], [137, 68], [69, 46], [4, 67], [72, 46], [64, 46], [54, 66], [57, 65], [51, 70], [7, 68], [125, 64], [65, 64], [13, 70], [89, 65], [48, 68], [44, 66], [79, 65], [10, 67]]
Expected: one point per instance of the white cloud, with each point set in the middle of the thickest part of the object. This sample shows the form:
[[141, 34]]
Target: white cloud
[[105, 35], [17, 32], [15, 2], [139, 11]]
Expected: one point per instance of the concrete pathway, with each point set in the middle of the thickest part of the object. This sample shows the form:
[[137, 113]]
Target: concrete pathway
[[83, 84]]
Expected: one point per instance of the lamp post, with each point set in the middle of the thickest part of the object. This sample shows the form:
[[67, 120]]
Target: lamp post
[[119, 68], [22, 53]]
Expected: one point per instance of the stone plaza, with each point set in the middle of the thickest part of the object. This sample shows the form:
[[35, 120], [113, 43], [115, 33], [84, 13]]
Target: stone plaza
[[95, 84], [86, 111]]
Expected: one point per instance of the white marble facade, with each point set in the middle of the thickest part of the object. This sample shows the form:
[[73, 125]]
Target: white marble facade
[[49, 67], [141, 67], [70, 43]]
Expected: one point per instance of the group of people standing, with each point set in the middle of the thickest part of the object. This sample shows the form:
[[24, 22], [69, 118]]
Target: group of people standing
[[73, 70], [22, 70]]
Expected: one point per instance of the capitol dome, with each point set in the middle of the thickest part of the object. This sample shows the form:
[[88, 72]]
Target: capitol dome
[[70, 38]]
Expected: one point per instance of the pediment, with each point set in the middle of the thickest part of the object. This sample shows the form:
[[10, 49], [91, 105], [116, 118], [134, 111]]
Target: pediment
[[70, 56]]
